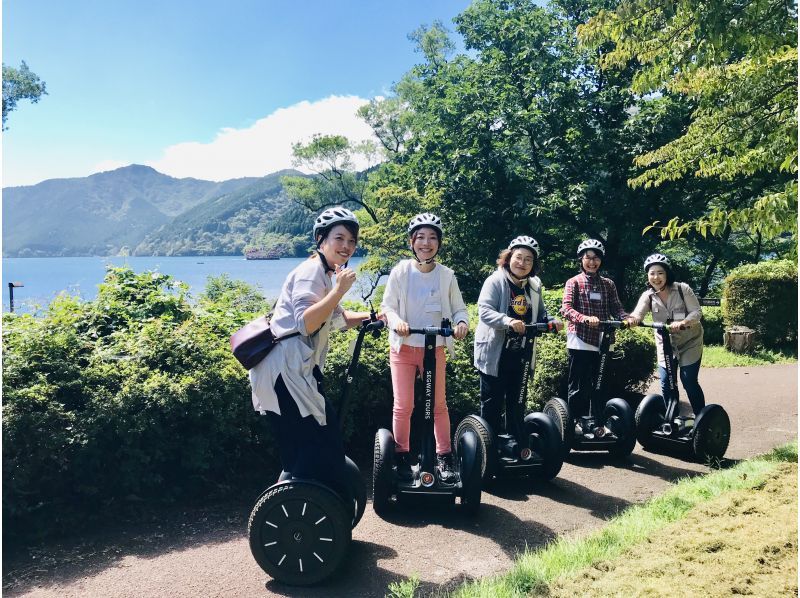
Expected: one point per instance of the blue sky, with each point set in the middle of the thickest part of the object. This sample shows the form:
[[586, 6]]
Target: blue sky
[[201, 88]]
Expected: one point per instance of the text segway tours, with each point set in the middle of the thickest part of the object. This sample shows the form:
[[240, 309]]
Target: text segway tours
[[530, 444], [611, 430], [300, 529], [425, 478], [703, 435]]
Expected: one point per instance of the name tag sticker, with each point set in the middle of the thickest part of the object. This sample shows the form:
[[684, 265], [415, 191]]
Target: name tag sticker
[[678, 316], [433, 307], [594, 296]]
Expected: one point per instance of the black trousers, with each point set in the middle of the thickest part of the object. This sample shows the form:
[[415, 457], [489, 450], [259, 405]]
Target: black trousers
[[307, 449], [583, 366], [502, 391]]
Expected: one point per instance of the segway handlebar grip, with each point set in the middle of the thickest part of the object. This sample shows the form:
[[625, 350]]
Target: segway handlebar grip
[[431, 330], [613, 324]]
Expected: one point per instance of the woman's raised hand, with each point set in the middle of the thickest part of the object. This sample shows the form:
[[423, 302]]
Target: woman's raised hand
[[345, 277]]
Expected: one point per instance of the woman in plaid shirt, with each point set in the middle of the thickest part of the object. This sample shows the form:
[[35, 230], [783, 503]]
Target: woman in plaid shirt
[[588, 299]]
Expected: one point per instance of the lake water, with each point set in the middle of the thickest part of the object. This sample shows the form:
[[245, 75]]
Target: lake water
[[44, 278]]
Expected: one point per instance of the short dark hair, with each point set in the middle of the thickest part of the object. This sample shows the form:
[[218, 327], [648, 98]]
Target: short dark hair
[[504, 259], [670, 275], [580, 259]]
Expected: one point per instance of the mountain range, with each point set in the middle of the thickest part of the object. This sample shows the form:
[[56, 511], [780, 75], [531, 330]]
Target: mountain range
[[137, 210]]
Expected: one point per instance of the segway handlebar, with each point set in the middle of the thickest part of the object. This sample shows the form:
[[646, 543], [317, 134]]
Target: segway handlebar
[[613, 324], [659, 325], [444, 330], [542, 327]]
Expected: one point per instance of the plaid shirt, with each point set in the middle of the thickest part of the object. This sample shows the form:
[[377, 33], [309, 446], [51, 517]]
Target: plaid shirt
[[576, 305]]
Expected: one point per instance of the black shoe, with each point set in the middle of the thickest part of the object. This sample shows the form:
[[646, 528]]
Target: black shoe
[[403, 463], [445, 465]]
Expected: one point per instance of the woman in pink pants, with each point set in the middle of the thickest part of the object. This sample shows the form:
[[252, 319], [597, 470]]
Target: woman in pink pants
[[419, 293]]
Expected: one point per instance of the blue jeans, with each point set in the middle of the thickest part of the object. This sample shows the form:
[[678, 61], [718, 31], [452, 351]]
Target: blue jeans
[[688, 374]]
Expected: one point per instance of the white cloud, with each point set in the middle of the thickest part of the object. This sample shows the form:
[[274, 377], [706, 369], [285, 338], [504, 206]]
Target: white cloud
[[266, 146]]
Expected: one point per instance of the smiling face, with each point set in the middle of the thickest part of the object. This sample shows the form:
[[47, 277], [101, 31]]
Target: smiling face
[[657, 276], [591, 261], [425, 243], [338, 246], [521, 262]]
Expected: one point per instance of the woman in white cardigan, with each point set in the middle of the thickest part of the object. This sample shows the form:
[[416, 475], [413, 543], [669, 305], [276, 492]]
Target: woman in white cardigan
[[420, 292]]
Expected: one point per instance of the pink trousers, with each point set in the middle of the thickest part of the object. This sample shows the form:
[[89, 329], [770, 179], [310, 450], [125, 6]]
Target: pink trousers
[[404, 366]]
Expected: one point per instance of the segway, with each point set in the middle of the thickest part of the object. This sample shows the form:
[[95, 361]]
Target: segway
[[300, 529], [704, 436], [613, 430], [389, 488], [531, 445]]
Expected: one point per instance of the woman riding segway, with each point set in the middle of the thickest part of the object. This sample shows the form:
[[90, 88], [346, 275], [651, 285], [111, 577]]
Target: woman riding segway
[[420, 301], [589, 302], [420, 293], [318, 483], [678, 334], [509, 303]]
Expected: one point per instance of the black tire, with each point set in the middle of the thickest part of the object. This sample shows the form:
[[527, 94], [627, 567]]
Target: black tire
[[383, 457], [299, 533], [650, 414], [558, 410], [618, 417], [486, 440], [712, 433], [546, 441], [355, 483], [470, 471]]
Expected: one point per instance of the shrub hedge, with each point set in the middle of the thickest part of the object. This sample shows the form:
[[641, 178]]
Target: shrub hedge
[[763, 297], [135, 395], [713, 325]]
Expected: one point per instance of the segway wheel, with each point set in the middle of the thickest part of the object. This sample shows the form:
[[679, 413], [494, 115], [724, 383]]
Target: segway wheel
[[558, 410], [485, 438], [546, 441], [383, 456], [299, 533], [355, 483], [470, 457], [649, 416], [618, 417], [712, 433]]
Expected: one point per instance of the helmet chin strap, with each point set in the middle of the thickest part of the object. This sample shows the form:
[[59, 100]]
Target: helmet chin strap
[[428, 261], [325, 262]]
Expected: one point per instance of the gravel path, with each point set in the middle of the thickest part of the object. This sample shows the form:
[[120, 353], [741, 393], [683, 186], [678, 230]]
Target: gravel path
[[206, 552]]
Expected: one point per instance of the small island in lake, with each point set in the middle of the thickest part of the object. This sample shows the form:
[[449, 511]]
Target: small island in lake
[[260, 253]]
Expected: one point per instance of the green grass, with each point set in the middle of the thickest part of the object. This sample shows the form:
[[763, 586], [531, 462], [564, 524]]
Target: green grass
[[716, 356], [534, 570]]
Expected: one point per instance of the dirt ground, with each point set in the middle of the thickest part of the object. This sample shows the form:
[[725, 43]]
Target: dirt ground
[[206, 552]]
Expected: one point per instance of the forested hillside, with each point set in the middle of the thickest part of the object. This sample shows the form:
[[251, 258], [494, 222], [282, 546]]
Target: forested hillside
[[138, 210]]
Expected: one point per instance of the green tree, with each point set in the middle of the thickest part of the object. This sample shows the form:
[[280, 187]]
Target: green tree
[[332, 158], [736, 62], [527, 133], [20, 84]]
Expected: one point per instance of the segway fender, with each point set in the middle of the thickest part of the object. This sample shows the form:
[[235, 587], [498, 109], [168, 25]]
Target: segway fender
[[468, 451], [535, 421], [703, 413]]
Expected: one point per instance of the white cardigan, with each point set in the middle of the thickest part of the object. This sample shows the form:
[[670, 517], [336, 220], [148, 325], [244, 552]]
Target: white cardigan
[[396, 295]]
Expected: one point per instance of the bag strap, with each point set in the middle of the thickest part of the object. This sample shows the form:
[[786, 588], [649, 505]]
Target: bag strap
[[269, 317]]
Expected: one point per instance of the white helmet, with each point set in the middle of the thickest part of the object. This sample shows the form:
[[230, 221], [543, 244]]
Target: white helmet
[[425, 219], [592, 244], [331, 216], [527, 242], [656, 258]]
